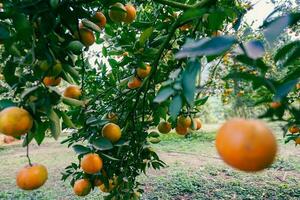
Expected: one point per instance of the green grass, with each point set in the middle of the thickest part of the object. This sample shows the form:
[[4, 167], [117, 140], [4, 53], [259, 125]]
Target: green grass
[[194, 171]]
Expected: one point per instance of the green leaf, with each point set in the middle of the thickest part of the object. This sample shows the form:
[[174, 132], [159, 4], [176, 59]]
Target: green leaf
[[40, 132], [75, 47], [102, 144], [103, 155], [4, 34], [257, 80], [200, 102], [283, 90], [163, 95], [5, 103], [206, 47], [66, 119], [192, 14], [79, 149], [259, 63], [274, 28], [28, 91], [189, 80], [146, 35], [122, 143], [254, 49], [282, 53], [55, 123], [154, 140], [91, 25], [153, 134], [175, 106], [72, 102]]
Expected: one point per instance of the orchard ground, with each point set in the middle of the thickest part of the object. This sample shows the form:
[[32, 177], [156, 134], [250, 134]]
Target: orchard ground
[[194, 171]]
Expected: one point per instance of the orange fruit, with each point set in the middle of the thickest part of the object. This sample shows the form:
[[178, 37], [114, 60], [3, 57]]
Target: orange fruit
[[298, 86], [164, 127], [197, 123], [100, 19], [87, 36], [111, 132], [72, 91], [15, 121], [32, 177], [111, 186], [247, 145], [294, 129], [131, 13], [134, 83], [216, 33], [297, 141], [117, 12], [275, 104], [82, 187], [181, 130], [125, 54], [51, 81], [184, 121], [143, 73], [185, 27], [91, 163]]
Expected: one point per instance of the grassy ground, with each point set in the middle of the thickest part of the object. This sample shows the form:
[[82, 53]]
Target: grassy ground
[[194, 171]]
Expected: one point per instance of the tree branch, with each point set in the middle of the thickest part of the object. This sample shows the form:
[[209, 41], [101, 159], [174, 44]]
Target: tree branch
[[183, 6]]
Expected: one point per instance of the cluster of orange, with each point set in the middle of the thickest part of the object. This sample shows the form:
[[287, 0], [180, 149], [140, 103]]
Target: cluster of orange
[[182, 125], [92, 163], [15, 122], [141, 73], [117, 13], [53, 79]]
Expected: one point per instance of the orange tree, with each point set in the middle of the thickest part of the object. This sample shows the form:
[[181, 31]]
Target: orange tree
[[131, 84]]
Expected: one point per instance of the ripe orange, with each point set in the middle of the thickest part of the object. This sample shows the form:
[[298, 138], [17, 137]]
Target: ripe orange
[[294, 129], [134, 83], [110, 187], [143, 73], [111, 132], [247, 145], [100, 19], [164, 127], [117, 12], [72, 91], [82, 187], [184, 121], [181, 130], [51, 81], [275, 104], [15, 121], [131, 13], [197, 123], [298, 86], [297, 141], [87, 36], [91, 163], [32, 177]]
